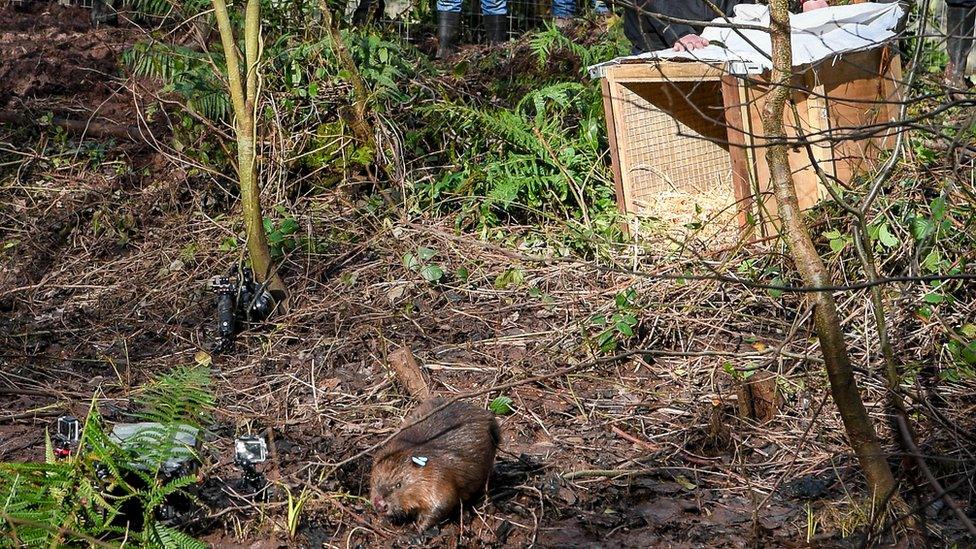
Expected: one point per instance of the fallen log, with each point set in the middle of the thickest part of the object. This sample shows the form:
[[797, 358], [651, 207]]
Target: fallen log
[[407, 371], [91, 128]]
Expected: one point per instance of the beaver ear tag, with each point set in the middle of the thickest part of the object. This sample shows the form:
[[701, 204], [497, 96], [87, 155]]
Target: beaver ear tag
[[419, 461]]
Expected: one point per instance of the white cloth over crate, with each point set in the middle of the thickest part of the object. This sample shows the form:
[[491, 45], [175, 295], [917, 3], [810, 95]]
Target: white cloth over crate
[[816, 35]]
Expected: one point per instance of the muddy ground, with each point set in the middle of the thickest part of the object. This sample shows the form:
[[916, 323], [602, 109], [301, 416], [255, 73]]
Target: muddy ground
[[106, 250]]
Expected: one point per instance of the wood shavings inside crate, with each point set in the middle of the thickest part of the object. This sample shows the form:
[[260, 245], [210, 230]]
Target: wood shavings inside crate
[[707, 216]]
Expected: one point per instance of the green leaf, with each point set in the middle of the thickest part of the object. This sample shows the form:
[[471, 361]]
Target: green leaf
[[462, 274], [410, 262], [501, 405], [887, 239], [288, 226], [685, 483], [776, 292], [969, 330], [432, 273], [873, 231], [938, 207], [838, 244], [48, 447], [921, 227], [625, 329], [425, 254], [934, 298], [268, 225], [511, 277], [932, 261]]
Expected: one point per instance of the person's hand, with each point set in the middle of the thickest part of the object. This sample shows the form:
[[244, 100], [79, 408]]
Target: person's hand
[[811, 5], [690, 42]]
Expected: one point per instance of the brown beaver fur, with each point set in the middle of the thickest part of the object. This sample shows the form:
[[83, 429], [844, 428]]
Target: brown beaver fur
[[428, 469]]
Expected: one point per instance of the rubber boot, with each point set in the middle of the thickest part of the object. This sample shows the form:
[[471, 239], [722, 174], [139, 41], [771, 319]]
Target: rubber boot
[[103, 13], [495, 28], [448, 25], [960, 23]]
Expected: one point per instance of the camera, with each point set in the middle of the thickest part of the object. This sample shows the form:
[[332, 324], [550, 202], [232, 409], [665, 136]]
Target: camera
[[249, 451], [239, 300], [66, 435]]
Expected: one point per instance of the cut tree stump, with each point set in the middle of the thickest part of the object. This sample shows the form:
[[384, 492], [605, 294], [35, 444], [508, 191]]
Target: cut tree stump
[[759, 397], [408, 372]]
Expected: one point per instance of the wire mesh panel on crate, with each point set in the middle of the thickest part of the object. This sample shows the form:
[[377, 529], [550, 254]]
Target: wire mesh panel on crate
[[680, 149]]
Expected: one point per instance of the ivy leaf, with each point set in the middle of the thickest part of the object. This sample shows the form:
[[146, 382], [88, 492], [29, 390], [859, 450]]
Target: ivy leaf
[[425, 254], [934, 298], [432, 273], [410, 262], [625, 329]]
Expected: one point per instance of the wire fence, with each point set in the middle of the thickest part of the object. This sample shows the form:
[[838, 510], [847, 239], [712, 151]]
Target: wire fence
[[419, 17]]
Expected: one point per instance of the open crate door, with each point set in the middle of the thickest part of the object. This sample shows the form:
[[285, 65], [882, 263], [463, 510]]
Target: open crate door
[[694, 128]]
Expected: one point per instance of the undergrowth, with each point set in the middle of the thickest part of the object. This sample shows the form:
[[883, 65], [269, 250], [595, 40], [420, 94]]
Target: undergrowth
[[489, 161], [106, 492]]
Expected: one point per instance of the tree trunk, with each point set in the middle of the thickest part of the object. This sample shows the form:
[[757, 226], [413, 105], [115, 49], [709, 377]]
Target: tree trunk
[[245, 127], [844, 389], [358, 120]]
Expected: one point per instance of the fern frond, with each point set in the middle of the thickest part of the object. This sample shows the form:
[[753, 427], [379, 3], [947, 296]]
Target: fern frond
[[182, 396], [165, 537]]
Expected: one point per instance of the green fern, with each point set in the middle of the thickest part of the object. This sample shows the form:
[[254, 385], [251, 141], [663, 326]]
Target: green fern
[[185, 71], [547, 143], [60, 503], [165, 537], [545, 43], [183, 395]]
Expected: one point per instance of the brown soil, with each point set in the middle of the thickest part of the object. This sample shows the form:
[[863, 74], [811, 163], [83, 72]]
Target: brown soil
[[53, 61]]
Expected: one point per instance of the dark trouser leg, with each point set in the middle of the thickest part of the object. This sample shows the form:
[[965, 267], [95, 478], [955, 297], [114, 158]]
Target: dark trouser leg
[[960, 23], [448, 25], [495, 28], [103, 12]]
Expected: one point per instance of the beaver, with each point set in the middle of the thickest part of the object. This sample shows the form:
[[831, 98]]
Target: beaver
[[428, 469]]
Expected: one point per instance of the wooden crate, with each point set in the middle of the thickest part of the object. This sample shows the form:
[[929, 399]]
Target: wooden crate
[[695, 127]]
